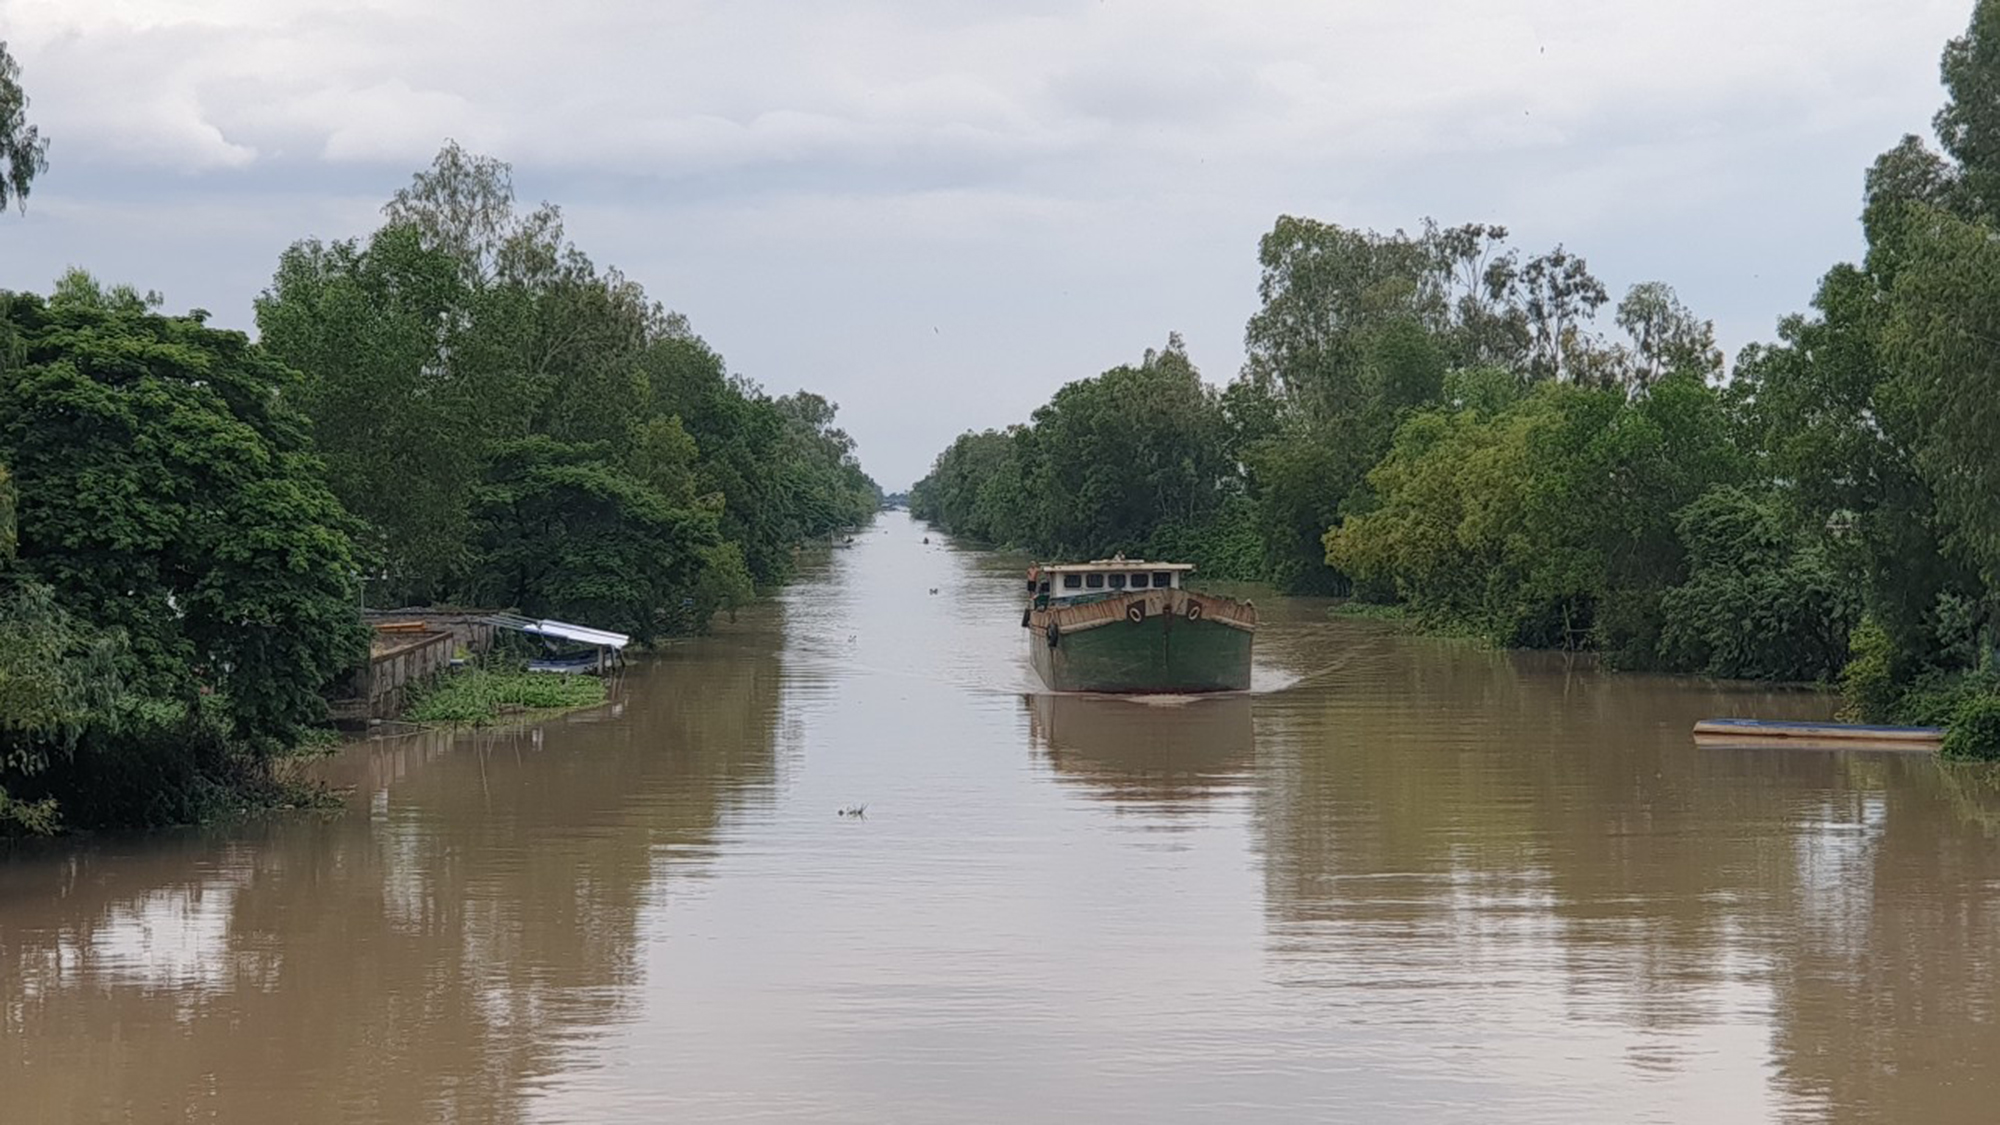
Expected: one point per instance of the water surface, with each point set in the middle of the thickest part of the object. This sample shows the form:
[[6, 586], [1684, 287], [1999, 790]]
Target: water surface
[[1406, 880]]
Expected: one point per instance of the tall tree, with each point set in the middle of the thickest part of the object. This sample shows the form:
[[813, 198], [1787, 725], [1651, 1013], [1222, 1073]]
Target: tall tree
[[405, 385], [463, 205], [23, 149], [1666, 336], [1943, 342], [1126, 451], [1873, 411], [1969, 123], [1558, 295]]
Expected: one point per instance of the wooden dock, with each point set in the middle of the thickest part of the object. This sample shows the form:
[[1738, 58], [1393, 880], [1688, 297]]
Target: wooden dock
[[1818, 736]]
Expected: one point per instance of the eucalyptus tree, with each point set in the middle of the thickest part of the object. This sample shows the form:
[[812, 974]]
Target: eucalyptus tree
[[1666, 336], [1558, 294]]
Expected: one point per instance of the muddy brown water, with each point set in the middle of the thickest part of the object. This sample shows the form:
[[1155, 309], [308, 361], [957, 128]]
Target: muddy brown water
[[1404, 880]]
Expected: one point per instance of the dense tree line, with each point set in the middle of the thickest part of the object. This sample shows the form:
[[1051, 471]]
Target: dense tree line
[[518, 427], [1440, 421], [1140, 459], [461, 408]]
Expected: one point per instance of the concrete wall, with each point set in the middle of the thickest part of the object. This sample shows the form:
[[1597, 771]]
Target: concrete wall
[[401, 661], [393, 673]]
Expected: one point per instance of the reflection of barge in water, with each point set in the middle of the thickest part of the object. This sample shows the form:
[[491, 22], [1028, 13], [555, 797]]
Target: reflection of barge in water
[[1119, 625], [1140, 750]]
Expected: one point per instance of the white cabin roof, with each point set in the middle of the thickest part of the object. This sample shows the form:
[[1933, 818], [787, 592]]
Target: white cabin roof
[[1114, 565]]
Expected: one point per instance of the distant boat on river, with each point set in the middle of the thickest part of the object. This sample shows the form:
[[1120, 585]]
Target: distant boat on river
[[1131, 626]]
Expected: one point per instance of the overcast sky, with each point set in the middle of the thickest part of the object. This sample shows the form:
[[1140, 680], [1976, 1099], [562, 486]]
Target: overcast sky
[[936, 212]]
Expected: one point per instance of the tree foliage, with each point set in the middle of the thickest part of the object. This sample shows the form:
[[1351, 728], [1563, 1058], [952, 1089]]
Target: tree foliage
[[167, 502], [23, 149], [466, 335], [1547, 524], [1136, 460], [1359, 333], [561, 530], [1764, 598]]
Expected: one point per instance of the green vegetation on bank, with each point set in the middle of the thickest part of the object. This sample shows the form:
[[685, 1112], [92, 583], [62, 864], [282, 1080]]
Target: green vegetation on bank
[[1438, 421], [460, 408], [178, 584], [478, 696]]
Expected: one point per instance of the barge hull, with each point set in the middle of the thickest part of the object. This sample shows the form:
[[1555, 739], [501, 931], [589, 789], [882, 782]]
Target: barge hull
[[1162, 651]]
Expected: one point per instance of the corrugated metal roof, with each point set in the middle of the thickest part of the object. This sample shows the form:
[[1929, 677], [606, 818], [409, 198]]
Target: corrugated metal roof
[[561, 630], [581, 633]]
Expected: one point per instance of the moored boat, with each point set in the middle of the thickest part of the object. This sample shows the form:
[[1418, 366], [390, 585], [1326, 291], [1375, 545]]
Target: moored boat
[[1131, 626]]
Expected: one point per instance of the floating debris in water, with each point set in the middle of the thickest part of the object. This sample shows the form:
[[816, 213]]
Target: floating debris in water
[[854, 810]]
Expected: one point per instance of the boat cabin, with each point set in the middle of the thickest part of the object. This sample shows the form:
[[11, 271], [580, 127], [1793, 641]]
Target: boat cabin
[[1063, 581]]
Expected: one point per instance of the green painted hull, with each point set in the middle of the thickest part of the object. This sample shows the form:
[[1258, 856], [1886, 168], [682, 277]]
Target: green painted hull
[[1164, 653]]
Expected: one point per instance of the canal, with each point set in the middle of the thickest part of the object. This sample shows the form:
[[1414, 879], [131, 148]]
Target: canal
[[1403, 880]]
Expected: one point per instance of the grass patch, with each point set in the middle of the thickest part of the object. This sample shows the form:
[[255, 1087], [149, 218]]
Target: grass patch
[[318, 742], [478, 696]]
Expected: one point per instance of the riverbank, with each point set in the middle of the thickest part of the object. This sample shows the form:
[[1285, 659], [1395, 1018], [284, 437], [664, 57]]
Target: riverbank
[[1965, 706]]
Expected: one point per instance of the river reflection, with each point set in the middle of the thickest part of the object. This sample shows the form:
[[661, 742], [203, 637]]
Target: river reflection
[[1168, 756], [466, 929], [1404, 880]]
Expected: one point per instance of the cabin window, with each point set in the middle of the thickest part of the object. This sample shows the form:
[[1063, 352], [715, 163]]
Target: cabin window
[[1138, 581], [1045, 586], [1162, 579], [1117, 581], [1094, 581], [1072, 581]]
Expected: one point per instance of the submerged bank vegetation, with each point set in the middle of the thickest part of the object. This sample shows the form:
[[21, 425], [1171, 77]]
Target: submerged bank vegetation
[[460, 408], [479, 696], [1444, 422]]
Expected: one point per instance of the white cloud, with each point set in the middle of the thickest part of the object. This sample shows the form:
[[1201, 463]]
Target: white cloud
[[960, 157]]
